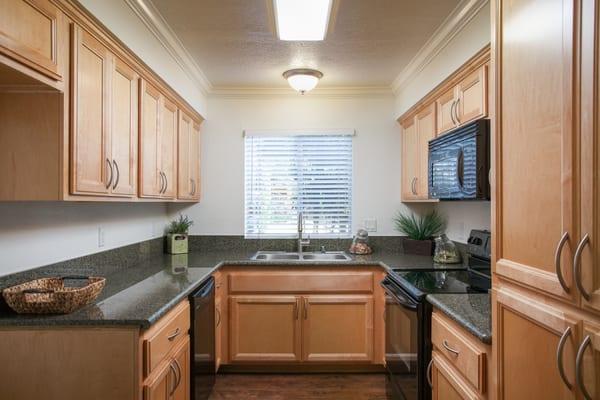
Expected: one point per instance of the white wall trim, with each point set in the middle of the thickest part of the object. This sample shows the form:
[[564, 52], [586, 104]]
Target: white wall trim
[[452, 26], [152, 18]]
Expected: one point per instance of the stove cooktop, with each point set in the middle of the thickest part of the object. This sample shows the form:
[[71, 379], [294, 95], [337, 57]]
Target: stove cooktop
[[421, 283]]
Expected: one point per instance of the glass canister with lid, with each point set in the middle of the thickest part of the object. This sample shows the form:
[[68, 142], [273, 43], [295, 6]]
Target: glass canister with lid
[[360, 243], [446, 251]]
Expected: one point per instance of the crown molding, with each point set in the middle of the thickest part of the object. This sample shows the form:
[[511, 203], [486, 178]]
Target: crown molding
[[452, 25], [154, 21], [341, 91]]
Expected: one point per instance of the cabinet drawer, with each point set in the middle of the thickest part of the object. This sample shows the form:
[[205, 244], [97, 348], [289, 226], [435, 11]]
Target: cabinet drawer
[[163, 336], [301, 282], [459, 350]]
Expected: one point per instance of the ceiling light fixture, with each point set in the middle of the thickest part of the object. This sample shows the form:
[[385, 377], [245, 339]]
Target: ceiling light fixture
[[302, 20], [303, 79]]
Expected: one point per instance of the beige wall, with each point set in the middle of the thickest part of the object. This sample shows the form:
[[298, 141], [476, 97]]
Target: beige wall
[[462, 216]]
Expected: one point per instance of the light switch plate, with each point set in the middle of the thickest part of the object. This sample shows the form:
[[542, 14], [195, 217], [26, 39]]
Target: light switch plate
[[371, 224]]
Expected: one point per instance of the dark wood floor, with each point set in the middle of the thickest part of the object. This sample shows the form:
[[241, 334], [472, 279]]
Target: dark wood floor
[[299, 387]]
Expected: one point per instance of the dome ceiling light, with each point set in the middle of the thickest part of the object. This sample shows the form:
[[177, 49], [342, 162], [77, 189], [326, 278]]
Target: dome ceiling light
[[303, 79]]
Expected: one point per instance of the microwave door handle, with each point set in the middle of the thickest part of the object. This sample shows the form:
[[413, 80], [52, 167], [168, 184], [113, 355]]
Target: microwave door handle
[[460, 169]]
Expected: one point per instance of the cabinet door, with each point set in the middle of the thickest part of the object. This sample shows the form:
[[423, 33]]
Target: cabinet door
[[160, 387], [264, 328], [410, 159], [588, 358], [527, 350], [91, 165], [588, 257], [151, 181], [445, 111], [195, 160], [184, 185], [124, 129], [337, 328], [535, 221], [28, 33], [168, 147], [446, 382], [472, 96], [181, 360], [425, 132]]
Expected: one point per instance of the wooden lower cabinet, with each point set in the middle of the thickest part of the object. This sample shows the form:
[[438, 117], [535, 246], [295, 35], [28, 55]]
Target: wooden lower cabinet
[[337, 328], [264, 328], [446, 383], [172, 380], [529, 334], [588, 357], [301, 317]]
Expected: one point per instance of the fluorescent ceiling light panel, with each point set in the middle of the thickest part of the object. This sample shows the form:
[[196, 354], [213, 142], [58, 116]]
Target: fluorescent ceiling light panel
[[302, 19]]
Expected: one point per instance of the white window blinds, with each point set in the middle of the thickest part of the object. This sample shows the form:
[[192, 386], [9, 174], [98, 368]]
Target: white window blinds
[[286, 174]]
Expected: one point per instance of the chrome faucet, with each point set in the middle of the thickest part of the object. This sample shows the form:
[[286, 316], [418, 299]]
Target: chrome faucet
[[301, 242]]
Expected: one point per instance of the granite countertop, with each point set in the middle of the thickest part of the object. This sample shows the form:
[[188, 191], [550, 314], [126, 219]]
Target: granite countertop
[[472, 311], [140, 294]]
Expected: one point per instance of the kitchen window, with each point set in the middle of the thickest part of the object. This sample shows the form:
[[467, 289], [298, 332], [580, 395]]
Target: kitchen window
[[288, 173]]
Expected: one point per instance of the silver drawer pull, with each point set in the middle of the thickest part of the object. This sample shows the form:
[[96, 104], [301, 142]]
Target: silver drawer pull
[[559, 357], [428, 373], [557, 259], [173, 335], [450, 349]]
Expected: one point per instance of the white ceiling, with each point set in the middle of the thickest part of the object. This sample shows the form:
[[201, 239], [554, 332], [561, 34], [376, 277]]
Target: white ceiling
[[370, 42]]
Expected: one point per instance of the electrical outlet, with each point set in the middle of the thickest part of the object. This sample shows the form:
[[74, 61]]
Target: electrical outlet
[[371, 224], [101, 235]]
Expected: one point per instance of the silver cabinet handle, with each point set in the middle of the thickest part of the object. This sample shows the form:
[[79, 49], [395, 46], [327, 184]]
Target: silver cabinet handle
[[577, 267], [428, 373], [456, 111], [118, 174], [173, 335], [111, 173], [178, 375], [166, 183], [174, 384], [305, 308], [559, 357], [450, 349], [218, 317], [162, 184], [578, 371], [412, 186], [557, 257], [296, 307], [452, 112]]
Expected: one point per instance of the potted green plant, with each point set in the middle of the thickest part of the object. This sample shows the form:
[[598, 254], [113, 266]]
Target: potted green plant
[[419, 231], [177, 235]]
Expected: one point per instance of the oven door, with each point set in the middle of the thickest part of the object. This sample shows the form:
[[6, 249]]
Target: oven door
[[401, 343]]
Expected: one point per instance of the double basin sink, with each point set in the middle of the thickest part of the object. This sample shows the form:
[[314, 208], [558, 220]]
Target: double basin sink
[[304, 256]]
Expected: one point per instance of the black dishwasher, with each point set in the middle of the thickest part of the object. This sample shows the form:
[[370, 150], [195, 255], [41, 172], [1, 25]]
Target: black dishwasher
[[203, 340]]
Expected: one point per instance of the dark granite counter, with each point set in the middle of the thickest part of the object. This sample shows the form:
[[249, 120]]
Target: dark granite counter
[[141, 293], [472, 311]]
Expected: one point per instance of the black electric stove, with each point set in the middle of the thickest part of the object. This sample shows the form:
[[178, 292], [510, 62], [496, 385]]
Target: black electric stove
[[408, 314]]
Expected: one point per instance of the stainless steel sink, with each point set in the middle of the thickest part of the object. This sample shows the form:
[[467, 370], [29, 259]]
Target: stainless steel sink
[[305, 256]]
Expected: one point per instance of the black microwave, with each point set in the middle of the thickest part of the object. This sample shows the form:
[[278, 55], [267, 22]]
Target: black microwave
[[459, 163]]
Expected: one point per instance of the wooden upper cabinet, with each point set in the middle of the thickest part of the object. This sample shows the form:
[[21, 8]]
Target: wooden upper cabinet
[[29, 34], [425, 121], [445, 109], [124, 128], [168, 147], [535, 223], [151, 181], [530, 350], [410, 160], [91, 165], [264, 328], [463, 103], [337, 328], [188, 158], [587, 259], [471, 100], [158, 144], [104, 120]]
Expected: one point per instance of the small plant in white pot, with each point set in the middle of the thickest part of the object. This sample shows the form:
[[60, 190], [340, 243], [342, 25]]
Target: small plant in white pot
[[177, 235]]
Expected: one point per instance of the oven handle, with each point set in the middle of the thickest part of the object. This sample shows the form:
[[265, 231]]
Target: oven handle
[[402, 300]]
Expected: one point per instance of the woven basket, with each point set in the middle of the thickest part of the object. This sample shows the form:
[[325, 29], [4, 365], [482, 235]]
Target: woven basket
[[52, 296]]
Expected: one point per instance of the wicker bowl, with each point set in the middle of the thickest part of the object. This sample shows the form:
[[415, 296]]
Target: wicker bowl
[[52, 296]]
